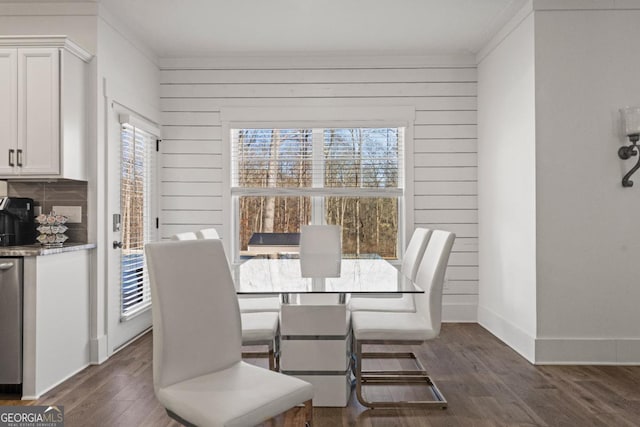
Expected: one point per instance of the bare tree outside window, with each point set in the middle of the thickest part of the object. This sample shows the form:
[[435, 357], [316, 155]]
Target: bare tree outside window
[[278, 166]]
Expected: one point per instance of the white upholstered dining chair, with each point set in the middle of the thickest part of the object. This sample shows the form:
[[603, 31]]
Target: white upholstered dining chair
[[320, 250], [259, 328], [405, 328], [248, 303], [198, 374], [187, 235], [208, 233], [409, 268]]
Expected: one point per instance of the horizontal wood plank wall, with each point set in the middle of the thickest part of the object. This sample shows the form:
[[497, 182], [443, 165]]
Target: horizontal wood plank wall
[[445, 161]]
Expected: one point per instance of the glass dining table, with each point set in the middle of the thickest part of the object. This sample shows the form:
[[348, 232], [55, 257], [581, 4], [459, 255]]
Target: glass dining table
[[283, 276], [315, 335]]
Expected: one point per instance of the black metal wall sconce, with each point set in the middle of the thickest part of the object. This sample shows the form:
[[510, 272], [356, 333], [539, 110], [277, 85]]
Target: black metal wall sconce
[[631, 118]]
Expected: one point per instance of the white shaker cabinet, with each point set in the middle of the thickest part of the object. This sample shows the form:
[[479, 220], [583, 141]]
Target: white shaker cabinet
[[45, 109]]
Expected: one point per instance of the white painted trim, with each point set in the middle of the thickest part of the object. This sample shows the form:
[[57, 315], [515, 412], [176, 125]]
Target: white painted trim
[[142, 123], [229, 226], [460, 313], [551, 5], [586, 4], [51, 387], [502, 34], [22, 8], [99, 352], [407, 211], [326, 61], [315, 115], [59, 41], [510, 334], [587, 351]]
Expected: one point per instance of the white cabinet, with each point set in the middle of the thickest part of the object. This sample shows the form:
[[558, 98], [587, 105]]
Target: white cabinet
[[8, 108], [43, 110], [56, 329]]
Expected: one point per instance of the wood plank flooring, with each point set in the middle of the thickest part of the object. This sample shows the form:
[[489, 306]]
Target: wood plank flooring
[[485, 382]]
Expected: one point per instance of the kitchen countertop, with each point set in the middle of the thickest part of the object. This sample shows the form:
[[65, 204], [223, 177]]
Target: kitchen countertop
[[38, 250]]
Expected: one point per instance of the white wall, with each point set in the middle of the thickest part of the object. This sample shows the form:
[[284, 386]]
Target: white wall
[[588, 237], [443, 93], [127, 74], [507, 189]]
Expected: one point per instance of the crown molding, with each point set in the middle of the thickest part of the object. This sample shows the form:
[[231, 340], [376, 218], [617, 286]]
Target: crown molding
[[58, 41], [504, 32], [549, 5]]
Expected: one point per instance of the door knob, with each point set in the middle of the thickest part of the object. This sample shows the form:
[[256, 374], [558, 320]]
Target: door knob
[[117, 245]]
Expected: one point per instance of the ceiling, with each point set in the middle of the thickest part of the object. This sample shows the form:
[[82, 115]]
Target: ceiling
[[187, 28]]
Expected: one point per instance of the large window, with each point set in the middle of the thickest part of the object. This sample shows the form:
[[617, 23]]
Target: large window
[[285, 178]]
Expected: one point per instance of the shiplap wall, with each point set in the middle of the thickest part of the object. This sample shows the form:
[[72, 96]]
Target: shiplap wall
[[444, 146]]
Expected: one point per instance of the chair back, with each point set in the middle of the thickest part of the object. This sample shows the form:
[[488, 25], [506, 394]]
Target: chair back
[[196, 319], [320, 250], [208, 233], [187, 235], [415, 251], [430, 277]]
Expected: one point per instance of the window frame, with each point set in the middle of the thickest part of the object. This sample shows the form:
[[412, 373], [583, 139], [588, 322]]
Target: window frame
[[404, 191]]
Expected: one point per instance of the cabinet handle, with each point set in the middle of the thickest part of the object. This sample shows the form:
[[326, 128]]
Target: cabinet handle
[[20, 157], [6, 265], [11, 151]]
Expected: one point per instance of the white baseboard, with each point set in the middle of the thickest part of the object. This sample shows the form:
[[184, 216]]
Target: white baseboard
[[507, 332], [52, 386], [98, 348], [561, 351], [460, 313], [587, 351]]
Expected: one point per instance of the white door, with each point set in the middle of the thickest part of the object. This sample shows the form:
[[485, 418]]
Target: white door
[[131, 194]]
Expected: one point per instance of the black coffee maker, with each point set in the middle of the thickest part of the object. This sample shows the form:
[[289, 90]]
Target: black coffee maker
[[17, 225]]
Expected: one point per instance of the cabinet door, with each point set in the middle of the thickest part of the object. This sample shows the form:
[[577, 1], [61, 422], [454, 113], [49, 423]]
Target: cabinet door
[[39, 112], [8, 109]]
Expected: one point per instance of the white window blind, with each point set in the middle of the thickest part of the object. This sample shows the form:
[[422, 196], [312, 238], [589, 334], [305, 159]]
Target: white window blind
[[336, 161], [136, 185], [362, 157]]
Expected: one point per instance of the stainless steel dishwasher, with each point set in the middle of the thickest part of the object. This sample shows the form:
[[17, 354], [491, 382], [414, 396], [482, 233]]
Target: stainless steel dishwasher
[[11, 291]]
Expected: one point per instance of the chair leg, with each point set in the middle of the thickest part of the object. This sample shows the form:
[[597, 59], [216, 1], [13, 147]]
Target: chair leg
[[271, 354], [179, 419], [308, 413], [419, 376], [276, 347], [272, 360]]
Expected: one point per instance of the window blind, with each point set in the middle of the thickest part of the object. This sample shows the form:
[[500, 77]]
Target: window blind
[[136, 181], [363, 161]]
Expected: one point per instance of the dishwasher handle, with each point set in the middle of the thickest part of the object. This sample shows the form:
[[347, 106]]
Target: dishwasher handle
[[6, 265]]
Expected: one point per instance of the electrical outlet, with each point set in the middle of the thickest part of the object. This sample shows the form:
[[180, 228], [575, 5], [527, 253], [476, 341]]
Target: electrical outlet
[[74, 213]]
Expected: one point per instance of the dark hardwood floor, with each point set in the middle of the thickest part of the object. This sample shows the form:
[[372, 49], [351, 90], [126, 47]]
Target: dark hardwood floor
[[485, 382]]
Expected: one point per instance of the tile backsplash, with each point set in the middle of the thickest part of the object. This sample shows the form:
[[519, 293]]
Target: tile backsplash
[[60, 193]]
